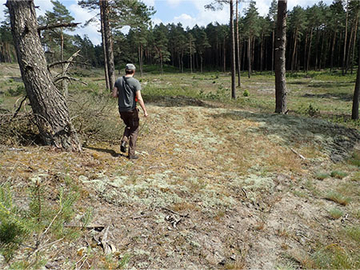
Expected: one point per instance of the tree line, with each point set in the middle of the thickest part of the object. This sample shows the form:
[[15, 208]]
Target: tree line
[[318, 37], [260, 42]]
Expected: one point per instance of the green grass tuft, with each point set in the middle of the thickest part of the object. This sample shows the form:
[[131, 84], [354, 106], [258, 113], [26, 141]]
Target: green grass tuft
[[338, 198], [335, 213], [321, 176], [338, 174], [333, 256]]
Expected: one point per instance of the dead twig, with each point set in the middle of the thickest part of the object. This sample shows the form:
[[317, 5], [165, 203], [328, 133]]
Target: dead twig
[[68, 78], [175, 213], [301, 156], [18, 109]]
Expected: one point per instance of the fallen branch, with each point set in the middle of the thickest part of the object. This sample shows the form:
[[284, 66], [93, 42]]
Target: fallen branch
[[96, 227], [18, 109], [173, 212], [301, 156]]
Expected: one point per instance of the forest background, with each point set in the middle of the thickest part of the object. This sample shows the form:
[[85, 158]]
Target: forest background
[[319, 36], [214, 168]]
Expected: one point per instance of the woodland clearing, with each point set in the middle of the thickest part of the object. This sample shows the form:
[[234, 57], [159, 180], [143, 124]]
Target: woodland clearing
[[219, 184]]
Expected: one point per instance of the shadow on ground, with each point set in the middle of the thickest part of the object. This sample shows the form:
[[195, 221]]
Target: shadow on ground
[[104, 150], [175, 101], [336, 140], [340, 96]]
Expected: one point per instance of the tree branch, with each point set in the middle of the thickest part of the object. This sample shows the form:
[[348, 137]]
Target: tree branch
[[68, 78], [60, 62], [57, 25], [18, 109]]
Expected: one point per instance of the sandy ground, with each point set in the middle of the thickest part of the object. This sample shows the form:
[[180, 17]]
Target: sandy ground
[[213, 188]]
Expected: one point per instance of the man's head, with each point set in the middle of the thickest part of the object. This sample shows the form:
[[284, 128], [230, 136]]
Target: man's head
[[130, 69]]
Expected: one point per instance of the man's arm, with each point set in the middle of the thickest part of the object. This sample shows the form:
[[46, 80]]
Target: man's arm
[[114, 92], [141, 102]]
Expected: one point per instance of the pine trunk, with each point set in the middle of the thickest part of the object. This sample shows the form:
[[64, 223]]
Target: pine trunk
[[355, 105], [280, 49], [48, 104], [238, 44], [103, 39], [108, 43], [345, 39], [332, 52], [249, 56], [233, 57]]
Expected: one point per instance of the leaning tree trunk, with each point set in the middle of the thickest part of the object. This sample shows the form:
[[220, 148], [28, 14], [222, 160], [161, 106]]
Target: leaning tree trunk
[[280, 49], [47, 102], [355, 105]]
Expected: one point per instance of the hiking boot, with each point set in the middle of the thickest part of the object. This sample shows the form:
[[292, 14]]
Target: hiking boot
[[133, 157], [123, 147]]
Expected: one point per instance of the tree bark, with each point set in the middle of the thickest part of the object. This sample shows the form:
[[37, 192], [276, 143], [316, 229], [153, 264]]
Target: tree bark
[[47, 102], [238, 44], [345, 39], [109, 46], [280, 49], [233, 57], [224, 54], [293, 58], [249, 56], [309, 51], [107, 37], [107, 83], [355, 105], [332, 52]]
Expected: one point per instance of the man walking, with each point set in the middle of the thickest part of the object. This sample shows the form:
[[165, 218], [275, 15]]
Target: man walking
[[127, 89]]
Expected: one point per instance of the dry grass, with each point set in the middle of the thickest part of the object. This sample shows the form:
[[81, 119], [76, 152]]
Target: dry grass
[[228, 175]]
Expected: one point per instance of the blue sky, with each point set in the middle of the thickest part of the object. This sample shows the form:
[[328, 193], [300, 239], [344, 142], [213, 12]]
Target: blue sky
[[187, 12]]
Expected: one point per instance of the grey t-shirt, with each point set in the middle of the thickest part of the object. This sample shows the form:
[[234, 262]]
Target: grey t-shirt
[[127, 88]]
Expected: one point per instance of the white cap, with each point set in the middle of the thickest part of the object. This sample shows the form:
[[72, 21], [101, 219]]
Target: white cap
[[130, 67]]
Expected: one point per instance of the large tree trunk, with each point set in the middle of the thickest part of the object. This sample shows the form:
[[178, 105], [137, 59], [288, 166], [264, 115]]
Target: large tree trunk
[[233, 58], [280, 48], [355, 105], [47, 102]]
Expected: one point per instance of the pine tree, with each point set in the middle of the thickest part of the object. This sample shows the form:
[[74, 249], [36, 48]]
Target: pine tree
[[280, 49], [48, 104]]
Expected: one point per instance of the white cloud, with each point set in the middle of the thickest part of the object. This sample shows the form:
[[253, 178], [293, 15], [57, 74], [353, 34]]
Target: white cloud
[[149, 2], [205, 16], [82, 15], [186, 20], [156, 21], [43, 5], [174, 3], [2, 8]]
